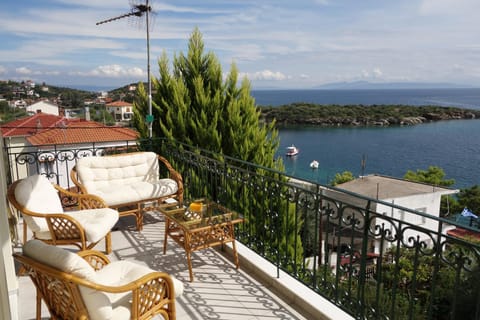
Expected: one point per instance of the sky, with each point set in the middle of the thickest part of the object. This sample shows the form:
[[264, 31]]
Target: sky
[[299, 44]]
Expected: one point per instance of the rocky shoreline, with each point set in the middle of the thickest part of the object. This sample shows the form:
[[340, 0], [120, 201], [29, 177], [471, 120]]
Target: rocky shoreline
[[320, 115]]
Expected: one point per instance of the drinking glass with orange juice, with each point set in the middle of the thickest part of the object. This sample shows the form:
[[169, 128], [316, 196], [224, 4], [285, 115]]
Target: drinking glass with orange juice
[[196, 209]]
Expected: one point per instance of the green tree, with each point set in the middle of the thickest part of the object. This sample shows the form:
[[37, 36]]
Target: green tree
[[194, 105], [470, 198], [342, 178], [434, 176], [100, 114]]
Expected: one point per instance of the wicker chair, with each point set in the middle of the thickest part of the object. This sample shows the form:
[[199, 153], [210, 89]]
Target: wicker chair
[[93, 288], [39, 203]]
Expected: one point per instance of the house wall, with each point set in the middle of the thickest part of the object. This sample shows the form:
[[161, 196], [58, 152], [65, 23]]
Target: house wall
[[8, 279], [427, 203], [66, 161], [121, 113], [19, 144], [44, 107], [47, 161]]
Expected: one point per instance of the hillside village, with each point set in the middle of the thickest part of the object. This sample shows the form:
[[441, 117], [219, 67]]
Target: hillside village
[[18, 99], [60, 120]]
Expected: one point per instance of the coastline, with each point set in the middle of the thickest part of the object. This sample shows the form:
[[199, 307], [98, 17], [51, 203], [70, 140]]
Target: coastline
[[360, 115]]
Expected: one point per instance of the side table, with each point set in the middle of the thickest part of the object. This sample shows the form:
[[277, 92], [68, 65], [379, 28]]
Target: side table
[[199, 225]]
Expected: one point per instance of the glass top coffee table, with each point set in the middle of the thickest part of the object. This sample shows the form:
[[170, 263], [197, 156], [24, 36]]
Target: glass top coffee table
[[198, 225]]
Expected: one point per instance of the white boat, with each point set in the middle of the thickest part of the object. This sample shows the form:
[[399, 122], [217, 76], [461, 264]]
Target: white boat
[[292, 151], [314, 164]]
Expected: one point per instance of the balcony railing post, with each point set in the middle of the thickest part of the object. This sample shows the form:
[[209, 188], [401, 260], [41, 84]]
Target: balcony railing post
[[363, 260]]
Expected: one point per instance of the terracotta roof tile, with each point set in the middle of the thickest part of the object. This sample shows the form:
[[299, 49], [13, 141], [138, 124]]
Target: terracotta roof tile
[[30, 125], [81, 131], [119, 104]]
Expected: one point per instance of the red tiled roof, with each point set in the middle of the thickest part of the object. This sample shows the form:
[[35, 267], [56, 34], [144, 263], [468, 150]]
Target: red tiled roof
[[30, 125], [119, 104], [462, 233], [81, 131]]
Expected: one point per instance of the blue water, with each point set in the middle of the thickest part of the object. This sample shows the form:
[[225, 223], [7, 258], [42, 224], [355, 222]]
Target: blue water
[[452, 145], [462, 98]]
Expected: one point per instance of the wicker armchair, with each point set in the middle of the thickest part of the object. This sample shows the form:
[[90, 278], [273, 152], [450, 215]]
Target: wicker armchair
[[39, 203], [93, 288]]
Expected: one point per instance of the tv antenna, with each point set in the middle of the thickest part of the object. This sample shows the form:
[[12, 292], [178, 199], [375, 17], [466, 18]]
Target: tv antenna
[[139, 10]]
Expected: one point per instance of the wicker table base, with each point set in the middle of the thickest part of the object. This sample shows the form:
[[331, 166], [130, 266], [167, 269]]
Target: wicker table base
[[202, 232]]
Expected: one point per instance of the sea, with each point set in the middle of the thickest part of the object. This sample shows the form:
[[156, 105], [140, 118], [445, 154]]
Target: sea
[[452, 145]]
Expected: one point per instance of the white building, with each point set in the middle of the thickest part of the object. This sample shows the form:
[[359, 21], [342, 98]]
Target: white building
[[44, 107], [120, 110], [416, 196]]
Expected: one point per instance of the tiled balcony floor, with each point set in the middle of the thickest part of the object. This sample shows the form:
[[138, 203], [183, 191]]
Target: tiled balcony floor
[[219, 291]]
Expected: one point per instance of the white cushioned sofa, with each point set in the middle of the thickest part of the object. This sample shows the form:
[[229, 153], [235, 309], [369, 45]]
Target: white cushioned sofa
[[129, 182], [87, 285]]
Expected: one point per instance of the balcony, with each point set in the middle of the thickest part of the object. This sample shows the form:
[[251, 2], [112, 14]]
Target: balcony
[[328, 252], [219, 291]]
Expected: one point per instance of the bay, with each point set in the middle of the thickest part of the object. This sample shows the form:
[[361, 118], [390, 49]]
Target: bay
[[451, 145]]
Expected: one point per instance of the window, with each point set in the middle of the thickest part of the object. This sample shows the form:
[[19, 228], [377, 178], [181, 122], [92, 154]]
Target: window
[[422, 219]]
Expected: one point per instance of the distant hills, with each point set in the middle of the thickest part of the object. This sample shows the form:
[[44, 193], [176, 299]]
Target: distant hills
[[390, 85]]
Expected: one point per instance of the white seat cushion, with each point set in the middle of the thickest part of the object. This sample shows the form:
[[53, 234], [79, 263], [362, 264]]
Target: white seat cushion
[[116, 274], [136, 191], [96, 222], [36, 193]]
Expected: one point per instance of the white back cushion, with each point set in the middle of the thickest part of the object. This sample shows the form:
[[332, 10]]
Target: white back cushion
[[110, 171], [36, 193], [97, 302], [58, 258]]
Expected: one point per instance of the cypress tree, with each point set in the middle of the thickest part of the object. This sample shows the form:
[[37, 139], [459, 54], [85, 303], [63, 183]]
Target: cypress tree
[[193, 105]]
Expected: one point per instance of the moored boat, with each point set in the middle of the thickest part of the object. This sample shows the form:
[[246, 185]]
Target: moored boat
[[292, 151], [314, 164]]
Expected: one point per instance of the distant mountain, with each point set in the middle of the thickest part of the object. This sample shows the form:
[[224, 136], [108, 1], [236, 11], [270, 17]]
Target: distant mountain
[[92, 88], [390, 85]]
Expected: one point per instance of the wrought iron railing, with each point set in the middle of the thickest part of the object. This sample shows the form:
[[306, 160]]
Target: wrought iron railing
[[359, 253]]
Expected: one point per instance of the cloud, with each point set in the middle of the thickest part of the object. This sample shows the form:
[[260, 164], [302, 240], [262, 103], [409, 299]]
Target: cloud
[[375, 73], [3, 70], [113, 71], [265, 75], [52, 73], [23, 71]]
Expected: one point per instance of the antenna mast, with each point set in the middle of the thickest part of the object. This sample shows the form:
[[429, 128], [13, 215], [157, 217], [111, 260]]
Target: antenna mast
[[138, 11]]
